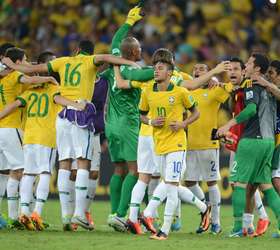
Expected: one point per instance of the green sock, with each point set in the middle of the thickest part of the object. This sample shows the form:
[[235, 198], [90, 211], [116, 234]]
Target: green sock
[[273, 201], [115, 192], [128, 184], [238, 203]]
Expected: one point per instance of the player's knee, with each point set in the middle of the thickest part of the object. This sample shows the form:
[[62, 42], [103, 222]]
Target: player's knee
[[211, 183], [276, 184], [73, 175], [93, 175], [83, 164], [16, 174], [264, 187], [65, 164], [239, 184], [145, 178]]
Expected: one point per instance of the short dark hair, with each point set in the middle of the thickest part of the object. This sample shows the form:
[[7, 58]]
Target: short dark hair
[[45, 57], [276, 65], [238, 60], [4, 47], [261, 61], [86, 46], [15, 54], [164, 56]]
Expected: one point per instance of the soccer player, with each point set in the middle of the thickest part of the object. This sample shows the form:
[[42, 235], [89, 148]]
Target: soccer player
[[203, 152], [11, 129], [123, 115], [166, 104], [236, 77], [257, 143], [4, 174], [272, 86], [77, 74]]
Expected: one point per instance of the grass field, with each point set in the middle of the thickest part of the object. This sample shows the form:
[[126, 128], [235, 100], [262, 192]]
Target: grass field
[[105, 238]]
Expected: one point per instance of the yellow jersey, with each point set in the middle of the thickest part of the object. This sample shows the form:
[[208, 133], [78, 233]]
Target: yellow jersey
[[10, 88], [41, 113], [208, 104], [77, 76], [171, 104]]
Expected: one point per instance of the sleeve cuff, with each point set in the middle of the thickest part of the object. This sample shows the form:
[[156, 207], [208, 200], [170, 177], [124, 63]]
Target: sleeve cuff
[[50, 69], [23, 102], [19, 78]]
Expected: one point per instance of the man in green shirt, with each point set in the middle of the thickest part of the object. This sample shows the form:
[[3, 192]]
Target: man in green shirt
[[122, 121]]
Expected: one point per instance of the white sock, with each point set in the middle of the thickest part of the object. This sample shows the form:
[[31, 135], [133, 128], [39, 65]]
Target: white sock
[[63, 185], [187, 196], [178, 209], [26, 193], [259, 205], [81, 188], [247, 220], [151, 188], [92, 184], [12, 197], [72, 197], [137, 196], [42, 192], [215, 201], [3, 187], [198, 192], [159, 196], [170, 206]]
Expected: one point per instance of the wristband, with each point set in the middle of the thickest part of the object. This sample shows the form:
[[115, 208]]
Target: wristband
[[150, 122]]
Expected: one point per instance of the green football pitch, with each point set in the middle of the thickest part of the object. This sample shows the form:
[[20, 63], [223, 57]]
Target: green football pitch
[[104, 237]]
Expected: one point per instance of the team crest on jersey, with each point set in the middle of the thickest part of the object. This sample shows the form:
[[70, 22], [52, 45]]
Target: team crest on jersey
[[171, 99]]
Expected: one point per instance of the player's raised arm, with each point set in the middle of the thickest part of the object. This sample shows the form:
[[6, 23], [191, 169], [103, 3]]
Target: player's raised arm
[[25, 68], [132, 17], [113, 60], [10, 108], [203, 79], [37, 79]]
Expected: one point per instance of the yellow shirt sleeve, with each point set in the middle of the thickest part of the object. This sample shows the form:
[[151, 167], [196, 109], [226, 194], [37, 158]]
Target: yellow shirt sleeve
[[188, 99], [54, 65], [23, 98], [144, 105], [136, 84]]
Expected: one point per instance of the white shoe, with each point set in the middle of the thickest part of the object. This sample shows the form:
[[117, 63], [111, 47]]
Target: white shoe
[[118, 223], [82, 221]]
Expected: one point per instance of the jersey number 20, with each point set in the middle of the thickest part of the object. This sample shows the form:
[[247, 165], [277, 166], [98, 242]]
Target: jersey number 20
[[40, 104]]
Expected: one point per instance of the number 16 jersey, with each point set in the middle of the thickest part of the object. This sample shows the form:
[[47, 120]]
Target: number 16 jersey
[[77, 76], [41, 112]]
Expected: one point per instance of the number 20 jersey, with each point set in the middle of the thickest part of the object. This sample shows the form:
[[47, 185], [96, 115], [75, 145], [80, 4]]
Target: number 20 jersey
[[41, 112], [77, 75]]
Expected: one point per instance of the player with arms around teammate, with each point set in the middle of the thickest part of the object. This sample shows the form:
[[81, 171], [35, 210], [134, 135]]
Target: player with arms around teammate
[[77, 74], [11, 128], [257, 143], [166, 104]]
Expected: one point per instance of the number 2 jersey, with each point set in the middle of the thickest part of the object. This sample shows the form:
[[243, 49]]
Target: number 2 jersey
[[41, 112], [76, 74]]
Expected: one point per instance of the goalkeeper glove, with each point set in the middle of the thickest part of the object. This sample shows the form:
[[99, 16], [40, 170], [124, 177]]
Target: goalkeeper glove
[[133, 16]]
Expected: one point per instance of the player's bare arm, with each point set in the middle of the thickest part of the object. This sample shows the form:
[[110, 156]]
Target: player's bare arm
[[121, 83], [114, 60], [203, 79], [9, 109], [67, 102], [157, 122], [38, 79]]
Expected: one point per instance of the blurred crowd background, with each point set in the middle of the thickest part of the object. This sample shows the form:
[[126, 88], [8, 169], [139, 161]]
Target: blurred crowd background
[[199, 30]]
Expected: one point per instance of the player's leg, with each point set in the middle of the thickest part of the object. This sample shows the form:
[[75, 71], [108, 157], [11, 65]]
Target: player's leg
[[276, 169], [171, 174], [4, 175]]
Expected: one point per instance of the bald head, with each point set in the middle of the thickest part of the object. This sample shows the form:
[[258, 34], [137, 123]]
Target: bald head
[[131, 49]]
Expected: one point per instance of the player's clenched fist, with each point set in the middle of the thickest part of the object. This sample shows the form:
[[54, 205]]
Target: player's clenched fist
[[134, 16]]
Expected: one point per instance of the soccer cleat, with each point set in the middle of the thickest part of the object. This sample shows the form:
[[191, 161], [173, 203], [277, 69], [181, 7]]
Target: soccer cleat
[[3, 222], [176, 224], [118, 223], [67, 226], [89, 219], [148, 223], [276, 235], [81, 221], [215, 229], [249, 232], [37, 221], [27, 222], [262, 226], [14, 224], [236, 234], [46, 224], [159, 236], [134, 227], [205, 220]]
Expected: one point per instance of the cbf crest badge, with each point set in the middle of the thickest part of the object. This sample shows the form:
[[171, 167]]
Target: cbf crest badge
[[171, 99]]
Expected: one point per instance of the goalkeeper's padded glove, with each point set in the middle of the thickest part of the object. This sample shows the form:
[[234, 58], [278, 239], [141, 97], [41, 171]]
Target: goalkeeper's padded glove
[[133, 16], [231, 141]]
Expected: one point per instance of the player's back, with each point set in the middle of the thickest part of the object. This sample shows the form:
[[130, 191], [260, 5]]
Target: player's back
[[41, 114], [10, 88], [77, 74]]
